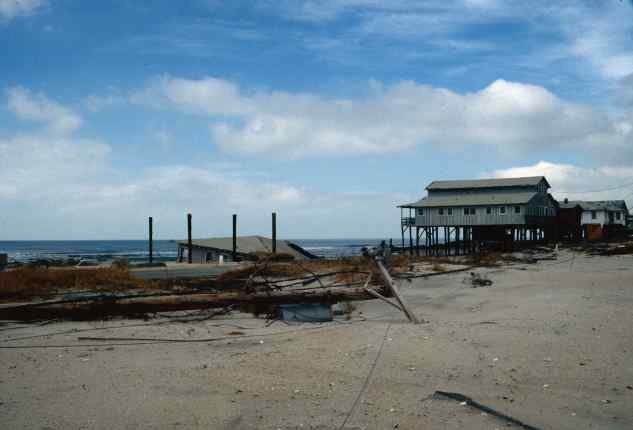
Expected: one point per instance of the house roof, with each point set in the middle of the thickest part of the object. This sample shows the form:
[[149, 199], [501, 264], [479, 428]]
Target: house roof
[[601, 205], [487, 183], [570, 204], [247, 245], [475, 199]]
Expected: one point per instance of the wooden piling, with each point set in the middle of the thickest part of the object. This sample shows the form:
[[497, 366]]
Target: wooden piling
[[274, 220], [189, 244], [234, 237], [151, 244]]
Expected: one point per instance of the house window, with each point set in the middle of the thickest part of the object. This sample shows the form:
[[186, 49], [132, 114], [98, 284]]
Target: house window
[[488, 211], [517, 209], [465, 211], [441, 211], [420, 211], [472, 211], [450, 211], [594, 215], [502, 210], [617, 215]]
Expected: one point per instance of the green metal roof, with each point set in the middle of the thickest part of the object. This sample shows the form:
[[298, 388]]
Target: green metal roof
[[530, 181], [600, 205], [475, 199], [245, 245]]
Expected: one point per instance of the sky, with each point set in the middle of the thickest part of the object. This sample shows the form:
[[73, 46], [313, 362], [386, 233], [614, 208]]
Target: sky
[[330, 113]]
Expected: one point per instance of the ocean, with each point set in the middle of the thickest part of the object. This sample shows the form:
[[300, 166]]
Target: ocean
[[164, 250]]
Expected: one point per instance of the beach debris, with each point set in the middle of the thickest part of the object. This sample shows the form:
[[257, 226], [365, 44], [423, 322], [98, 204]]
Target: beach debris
[[467, 401], [289, 290], [478, 280], [311, 312]]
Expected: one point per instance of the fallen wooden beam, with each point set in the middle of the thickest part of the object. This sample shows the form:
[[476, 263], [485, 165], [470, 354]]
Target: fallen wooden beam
[[393, 288], [137, 306]]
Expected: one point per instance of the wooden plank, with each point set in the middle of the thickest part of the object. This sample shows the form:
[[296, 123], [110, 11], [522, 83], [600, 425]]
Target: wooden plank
[[391, 286]]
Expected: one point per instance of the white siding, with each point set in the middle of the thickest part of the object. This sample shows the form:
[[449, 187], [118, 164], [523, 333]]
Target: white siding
[[601, 217], [431, 216], [622, 220]]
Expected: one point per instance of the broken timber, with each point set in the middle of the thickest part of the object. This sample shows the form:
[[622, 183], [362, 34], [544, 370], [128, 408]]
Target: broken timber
[[130, 305], [391, 286]]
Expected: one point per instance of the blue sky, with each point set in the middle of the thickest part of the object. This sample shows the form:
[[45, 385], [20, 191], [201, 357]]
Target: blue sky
[[329, 112]]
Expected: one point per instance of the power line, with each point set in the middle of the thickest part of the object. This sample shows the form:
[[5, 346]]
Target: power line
[[596, 191], [369, 375]]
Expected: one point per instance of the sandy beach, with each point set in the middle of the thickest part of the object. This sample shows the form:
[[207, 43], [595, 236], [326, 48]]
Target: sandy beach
[[549, 344]]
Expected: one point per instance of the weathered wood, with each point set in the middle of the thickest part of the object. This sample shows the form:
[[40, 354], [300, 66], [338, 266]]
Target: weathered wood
[[391, 286], [189, 244], [234, 237], [383, 298], [274, 221], [131, 306], [151, 238]]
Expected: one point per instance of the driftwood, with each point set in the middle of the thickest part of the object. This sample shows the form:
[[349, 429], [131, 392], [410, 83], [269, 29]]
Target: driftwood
[[142, 305]]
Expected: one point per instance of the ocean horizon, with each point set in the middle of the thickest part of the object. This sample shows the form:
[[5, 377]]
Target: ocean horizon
[[25, 251]]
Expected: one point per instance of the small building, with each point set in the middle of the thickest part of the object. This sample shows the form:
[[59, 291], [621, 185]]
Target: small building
[[602, 218], [568, 220], [247, 248], [470, 212]]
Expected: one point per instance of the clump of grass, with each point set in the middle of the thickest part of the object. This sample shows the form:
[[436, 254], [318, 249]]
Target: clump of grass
[[437, 267], [304, 268], [27, 282]]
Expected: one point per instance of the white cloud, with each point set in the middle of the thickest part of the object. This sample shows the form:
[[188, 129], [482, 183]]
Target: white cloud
[[36, 107], [56, 186], [10, 9], [96, 103], [509, 116], [209, 95], [601, 35], [33, 167], [579, 183]]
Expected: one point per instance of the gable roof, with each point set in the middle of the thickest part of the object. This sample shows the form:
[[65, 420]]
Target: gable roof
[[601, 205], [247, 245], [569, 204], [475, 199], [530, 181]]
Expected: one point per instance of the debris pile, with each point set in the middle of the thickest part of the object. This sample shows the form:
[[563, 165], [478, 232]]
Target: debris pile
[[478, 280], [88, 294]]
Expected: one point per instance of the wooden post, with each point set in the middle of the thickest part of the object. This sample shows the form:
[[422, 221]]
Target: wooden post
[[410, 234], [234, 237], [417, 241], [151, 244], [402, 227], [274, 232], [391, 286], [428, 242], [456, 240], [189, 244], [447, 240]]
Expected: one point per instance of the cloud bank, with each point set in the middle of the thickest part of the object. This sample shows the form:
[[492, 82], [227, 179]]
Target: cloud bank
[[10, 9], [511, 117]]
